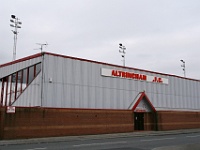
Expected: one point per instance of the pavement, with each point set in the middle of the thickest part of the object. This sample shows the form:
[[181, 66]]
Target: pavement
[[180, 147], [103, 136]]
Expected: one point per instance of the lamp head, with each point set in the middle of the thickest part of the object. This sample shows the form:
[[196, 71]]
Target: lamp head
[[13, 16]]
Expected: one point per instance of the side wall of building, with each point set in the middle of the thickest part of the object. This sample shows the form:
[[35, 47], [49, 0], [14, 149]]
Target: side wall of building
[[44, 122], [2, 112], [172, 120], [49, 122], [75, 83], [20, 82], [17, 65], [31, 96]]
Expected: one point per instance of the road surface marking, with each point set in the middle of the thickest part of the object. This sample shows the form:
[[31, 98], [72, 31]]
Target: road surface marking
[[37, 148], [192, 136], [158, 139], [95, 144]]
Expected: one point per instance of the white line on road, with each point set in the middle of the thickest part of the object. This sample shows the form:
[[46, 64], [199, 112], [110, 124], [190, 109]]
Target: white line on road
[[192, 136], [158, 139], [37, 148], [95, 144]]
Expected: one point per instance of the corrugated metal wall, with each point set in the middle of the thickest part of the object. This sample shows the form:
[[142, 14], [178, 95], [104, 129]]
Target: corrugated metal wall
[[9, 69], [73, 83], [31, 95], [76, 83]]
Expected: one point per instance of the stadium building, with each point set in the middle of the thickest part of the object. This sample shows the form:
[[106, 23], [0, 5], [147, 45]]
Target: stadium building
[[49, 94]]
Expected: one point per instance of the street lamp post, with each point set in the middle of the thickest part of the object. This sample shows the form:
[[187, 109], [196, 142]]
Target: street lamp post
[[183, 66], [15, 23], [122, 50]]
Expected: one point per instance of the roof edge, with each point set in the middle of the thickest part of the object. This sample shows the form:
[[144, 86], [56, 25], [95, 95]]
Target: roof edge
[[124, 67], [87, 60], [21, 60], [146, 98]]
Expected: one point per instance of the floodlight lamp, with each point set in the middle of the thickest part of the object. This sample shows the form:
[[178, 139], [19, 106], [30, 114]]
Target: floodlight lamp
[[12, 25], [13, 16], [120, 44], [11, 20], [14, 32]]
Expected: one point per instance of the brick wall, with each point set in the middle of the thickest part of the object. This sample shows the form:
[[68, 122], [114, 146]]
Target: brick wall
[[40, 122], [49, 122], [2, 110], [150, 122], [173, 120]]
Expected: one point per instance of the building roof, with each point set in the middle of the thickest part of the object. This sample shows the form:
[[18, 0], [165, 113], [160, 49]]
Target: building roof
[[92, 61]]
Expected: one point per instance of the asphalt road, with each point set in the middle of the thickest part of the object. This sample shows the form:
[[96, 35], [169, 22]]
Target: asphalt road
[[147, 142]]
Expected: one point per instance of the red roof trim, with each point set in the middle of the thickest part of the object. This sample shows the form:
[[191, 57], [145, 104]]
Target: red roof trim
[[138, 101], [146, 98], [81, 59], [21, 60]]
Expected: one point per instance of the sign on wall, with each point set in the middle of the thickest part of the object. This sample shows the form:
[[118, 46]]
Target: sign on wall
[[10, 109], [131, 75]]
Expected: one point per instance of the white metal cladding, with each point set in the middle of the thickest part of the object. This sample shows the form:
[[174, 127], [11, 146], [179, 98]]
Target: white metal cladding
[[74, 83], [31, 94], [9, 69]]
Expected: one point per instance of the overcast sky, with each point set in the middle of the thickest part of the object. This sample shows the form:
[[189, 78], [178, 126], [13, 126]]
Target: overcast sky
[[157, 34]]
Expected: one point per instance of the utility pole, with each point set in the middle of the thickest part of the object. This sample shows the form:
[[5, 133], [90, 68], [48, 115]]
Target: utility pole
[[42, 70]]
